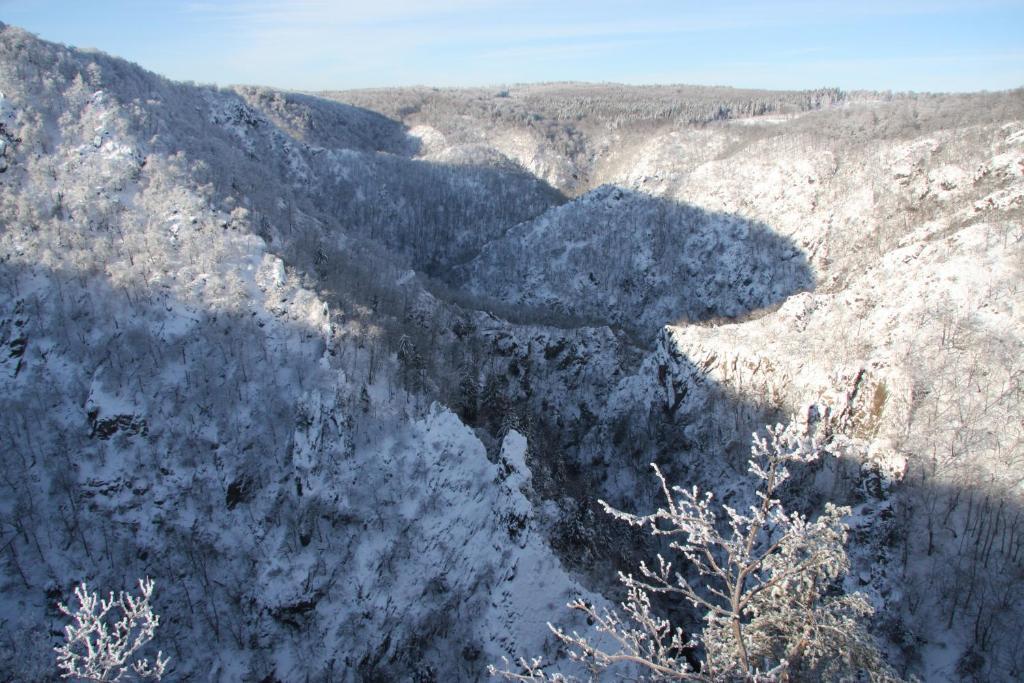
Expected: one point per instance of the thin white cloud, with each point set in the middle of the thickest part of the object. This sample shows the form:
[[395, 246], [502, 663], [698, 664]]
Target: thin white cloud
[[418, 22], [548, 51], [324, 12]]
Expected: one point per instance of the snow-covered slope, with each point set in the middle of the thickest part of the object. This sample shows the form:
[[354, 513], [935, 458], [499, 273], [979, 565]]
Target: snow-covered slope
[[635, 261], [179, 403], [913, 334], [908, 215]]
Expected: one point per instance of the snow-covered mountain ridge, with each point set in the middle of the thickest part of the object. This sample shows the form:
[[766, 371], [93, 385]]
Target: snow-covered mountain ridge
[[181, 404]]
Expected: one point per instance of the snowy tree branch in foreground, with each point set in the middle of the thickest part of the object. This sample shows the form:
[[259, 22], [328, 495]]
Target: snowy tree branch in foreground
[[100, 646], [768, 590]]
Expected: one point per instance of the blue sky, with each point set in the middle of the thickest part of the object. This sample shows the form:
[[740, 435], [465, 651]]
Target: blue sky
[[943, 45]]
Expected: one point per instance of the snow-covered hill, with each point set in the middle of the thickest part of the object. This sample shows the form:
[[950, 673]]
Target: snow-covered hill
[[927, 339], [179, 403], [635, 261]]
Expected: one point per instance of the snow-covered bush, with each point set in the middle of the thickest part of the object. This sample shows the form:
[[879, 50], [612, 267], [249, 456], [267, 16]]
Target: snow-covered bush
[[105, 636], [768, 589]]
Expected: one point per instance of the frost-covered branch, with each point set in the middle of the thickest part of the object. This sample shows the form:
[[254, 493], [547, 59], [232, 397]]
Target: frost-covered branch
[[106, 634]]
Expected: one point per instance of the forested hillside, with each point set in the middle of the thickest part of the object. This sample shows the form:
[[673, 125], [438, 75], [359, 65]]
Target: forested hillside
[[346, 374]]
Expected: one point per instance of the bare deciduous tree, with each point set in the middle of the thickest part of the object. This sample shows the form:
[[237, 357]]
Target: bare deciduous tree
[[768, 589]]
